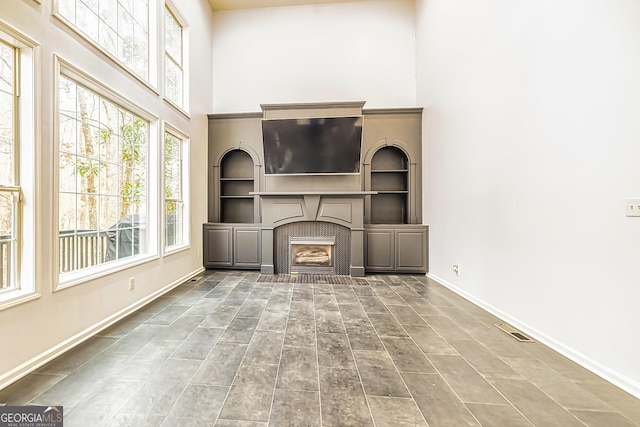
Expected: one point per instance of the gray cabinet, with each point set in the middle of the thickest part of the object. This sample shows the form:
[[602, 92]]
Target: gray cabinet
[[396, 248], [246, 247], [231, 246]]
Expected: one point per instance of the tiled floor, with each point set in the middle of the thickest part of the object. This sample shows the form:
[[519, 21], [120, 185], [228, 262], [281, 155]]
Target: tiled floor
[[403, 351]]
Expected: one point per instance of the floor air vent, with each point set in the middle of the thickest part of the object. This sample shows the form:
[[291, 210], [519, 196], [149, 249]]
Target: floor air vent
[[514, 332]]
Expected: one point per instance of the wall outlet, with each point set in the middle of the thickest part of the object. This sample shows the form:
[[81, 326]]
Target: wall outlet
[[132, 283], [199, 254], [456, 269], [633, 207]]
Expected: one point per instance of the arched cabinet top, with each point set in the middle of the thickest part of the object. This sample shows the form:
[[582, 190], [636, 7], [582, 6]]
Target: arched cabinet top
[[385, 143], [250, 151]]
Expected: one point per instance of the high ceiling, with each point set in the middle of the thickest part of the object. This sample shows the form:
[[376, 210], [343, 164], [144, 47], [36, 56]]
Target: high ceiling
[[254, 4]]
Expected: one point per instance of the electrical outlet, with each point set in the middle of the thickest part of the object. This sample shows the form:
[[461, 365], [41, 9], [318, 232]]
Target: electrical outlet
[[633, 207], [132, 283], [199, 254], [456, 269]]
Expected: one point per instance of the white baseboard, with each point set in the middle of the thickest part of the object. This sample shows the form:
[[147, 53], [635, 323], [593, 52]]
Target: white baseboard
[[45, 357], [612, 376]]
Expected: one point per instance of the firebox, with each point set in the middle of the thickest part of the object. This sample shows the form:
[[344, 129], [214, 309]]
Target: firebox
[[311, 255]]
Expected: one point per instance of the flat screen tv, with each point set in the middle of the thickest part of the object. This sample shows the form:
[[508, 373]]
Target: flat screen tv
[[327, 145]]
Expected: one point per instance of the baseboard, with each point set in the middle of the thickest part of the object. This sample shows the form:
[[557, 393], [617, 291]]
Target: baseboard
[[31, 365], [613, 377]]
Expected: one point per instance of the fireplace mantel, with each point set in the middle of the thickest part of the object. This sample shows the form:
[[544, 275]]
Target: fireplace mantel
[[345, 208], [311, 193]]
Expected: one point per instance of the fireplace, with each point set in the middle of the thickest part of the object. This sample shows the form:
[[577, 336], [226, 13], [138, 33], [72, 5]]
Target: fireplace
[[311, 255], [329, 223]]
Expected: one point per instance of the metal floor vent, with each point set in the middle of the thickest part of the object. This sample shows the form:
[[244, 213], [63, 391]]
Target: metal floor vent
[[514, 332]]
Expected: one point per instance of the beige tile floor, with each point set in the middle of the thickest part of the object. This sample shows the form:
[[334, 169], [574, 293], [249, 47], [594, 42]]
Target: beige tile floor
[[401, 350]]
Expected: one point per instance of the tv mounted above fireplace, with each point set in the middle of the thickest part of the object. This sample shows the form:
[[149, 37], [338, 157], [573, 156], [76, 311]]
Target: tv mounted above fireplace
[[322, 145]]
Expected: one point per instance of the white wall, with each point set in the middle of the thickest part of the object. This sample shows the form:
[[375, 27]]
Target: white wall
[[361, 51], [532, 136], [34, 331]]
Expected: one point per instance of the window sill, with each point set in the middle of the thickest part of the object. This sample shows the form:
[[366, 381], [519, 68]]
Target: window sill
[[177, 108], [74, 278], [13, 297], [175, 249]]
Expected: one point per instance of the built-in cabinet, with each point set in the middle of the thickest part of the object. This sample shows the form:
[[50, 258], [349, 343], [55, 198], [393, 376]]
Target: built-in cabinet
[[239, 233], [231, 245], [400, 248]]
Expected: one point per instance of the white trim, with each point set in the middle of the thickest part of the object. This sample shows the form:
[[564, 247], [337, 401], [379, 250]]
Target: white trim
[[586, 362], [177, 107], [175, 249], [45, 357], [62, 66], [13, 297], [78, 277]]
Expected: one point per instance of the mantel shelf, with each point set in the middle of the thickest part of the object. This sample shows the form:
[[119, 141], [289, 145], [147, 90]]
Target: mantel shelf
[[311, 193]]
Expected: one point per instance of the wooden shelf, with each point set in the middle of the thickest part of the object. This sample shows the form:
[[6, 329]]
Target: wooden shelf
[[389, 170]]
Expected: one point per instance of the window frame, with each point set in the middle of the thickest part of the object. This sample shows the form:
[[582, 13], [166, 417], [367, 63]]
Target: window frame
[[65, 280], [184, 175], [26, 171], [170, 6], [153, 44]]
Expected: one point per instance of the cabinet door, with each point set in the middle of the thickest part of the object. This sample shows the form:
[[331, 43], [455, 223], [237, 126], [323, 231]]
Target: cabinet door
[[246, 247], [217, 246], [411, 250], [380, 250]]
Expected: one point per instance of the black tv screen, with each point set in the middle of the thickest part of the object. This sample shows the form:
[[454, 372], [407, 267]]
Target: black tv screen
[[312, 145]]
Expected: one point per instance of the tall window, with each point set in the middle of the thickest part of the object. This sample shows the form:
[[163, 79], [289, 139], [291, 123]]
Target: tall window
[[9, 190], [17, 173], [173, 190], [121, 27], [173, 59], [103, 179]]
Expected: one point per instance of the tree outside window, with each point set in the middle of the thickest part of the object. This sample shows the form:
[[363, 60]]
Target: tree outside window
[[103, 191], [121, 27]]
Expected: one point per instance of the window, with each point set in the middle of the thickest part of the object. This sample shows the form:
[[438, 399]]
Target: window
[[9, 189], [120, 27], [173, 59], [103, 179], [17, 171], [174, 205]]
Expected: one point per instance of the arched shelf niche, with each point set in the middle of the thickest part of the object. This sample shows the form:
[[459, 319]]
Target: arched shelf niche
[[391, 174], [237, 176]]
